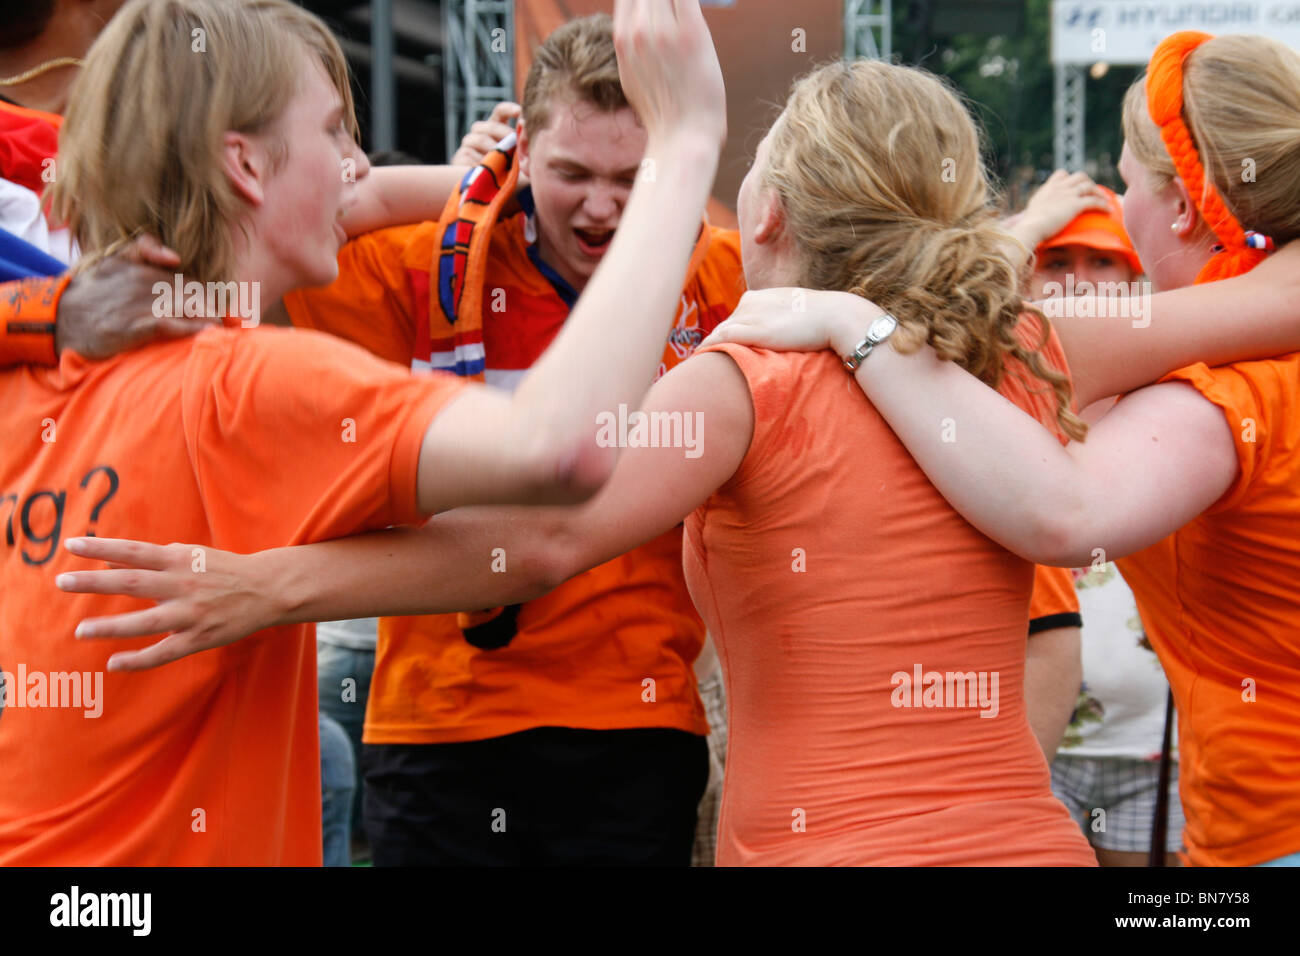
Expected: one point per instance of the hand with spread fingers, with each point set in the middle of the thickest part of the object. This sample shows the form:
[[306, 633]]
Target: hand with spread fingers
[[206, 597], [1055, 205], [669, 69]]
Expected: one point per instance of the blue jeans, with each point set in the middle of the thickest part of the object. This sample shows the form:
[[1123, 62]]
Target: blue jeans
[[346, 704], [1291, 859], [338, 769]]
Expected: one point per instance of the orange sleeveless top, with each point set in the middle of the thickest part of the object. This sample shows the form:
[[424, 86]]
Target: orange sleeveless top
[[873, 644]]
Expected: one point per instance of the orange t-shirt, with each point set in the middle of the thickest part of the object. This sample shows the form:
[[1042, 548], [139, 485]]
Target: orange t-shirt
[[1054, 602], [580, 655], [1221, 606], [835, 580], [374, 301], [212, 760]]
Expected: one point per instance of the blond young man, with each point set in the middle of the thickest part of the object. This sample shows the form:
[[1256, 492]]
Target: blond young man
[[216, 762], [594, 681]]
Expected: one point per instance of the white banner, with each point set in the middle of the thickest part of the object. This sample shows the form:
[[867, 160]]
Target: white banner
[[1128, 31]]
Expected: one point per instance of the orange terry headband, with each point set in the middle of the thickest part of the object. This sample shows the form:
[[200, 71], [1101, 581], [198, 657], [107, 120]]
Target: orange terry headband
[[1241, 251]]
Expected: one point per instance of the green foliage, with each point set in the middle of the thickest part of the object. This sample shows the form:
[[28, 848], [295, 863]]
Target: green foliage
[[1009, 82]]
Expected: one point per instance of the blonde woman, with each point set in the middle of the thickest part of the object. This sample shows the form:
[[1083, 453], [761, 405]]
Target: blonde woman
[[872, 641], [1196, 478], [236, 156]]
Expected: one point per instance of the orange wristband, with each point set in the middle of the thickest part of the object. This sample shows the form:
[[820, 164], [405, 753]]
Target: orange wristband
[[27, 316]]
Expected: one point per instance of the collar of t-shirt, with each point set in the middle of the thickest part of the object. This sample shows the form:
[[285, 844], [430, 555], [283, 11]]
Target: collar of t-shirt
[[567, 293]]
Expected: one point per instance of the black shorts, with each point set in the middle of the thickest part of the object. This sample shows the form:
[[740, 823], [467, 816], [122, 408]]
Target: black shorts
[[542, 797]]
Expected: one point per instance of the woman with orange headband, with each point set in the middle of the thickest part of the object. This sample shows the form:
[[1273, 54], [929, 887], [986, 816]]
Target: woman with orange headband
[[1197, 478]]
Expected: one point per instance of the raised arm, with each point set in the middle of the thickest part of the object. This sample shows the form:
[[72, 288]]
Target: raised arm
[[1053, 206], [484, 134], [540, 444], [464, 559]]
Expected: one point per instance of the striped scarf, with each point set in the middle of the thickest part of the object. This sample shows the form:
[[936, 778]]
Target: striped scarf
[[453, 339]]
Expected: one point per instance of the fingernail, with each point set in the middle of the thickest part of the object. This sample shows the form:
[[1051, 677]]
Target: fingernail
[[85, 630], [75, 545], [63, 581]]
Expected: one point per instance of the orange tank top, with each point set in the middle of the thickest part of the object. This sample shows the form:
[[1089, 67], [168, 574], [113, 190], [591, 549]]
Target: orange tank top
[[873, 644]]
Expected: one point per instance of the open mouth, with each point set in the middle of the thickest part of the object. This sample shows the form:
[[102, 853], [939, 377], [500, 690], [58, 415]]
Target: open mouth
[[594, 242]]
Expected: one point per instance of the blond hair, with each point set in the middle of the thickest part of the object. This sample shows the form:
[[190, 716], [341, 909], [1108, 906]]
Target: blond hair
[[576, 61], [880, 177], [1241, 103], [140, 148]]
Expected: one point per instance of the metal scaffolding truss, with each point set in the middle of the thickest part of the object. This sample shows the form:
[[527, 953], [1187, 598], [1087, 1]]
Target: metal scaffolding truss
[[1070, 92], [868, 29], [477, 63]]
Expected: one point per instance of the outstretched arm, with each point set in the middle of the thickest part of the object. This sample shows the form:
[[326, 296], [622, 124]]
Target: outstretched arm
[[1116, 345], [397, 195], [464, 559], [1158, 459], [651, 491], [113, 306]]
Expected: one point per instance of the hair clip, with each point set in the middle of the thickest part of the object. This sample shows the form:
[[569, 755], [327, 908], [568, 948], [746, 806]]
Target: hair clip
[[1257, 240]]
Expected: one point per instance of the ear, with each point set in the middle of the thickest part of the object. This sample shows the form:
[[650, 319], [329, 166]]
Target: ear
[[522, 132], [770, 227], [1186, 218], [246, 165]]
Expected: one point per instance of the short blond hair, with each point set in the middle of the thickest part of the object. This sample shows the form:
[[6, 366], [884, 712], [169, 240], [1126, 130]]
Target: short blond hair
[[578, 62], [140, 148]]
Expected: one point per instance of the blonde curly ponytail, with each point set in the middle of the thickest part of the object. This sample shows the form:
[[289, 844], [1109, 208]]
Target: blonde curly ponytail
[[880, 178]]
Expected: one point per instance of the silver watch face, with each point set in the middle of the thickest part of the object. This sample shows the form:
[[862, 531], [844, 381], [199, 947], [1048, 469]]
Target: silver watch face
[[881, 328]]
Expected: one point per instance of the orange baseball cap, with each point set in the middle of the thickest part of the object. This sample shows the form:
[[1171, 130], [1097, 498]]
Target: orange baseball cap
[[1098, 229]]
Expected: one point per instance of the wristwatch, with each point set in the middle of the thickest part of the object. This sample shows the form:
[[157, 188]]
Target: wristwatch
[[881, 329]]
